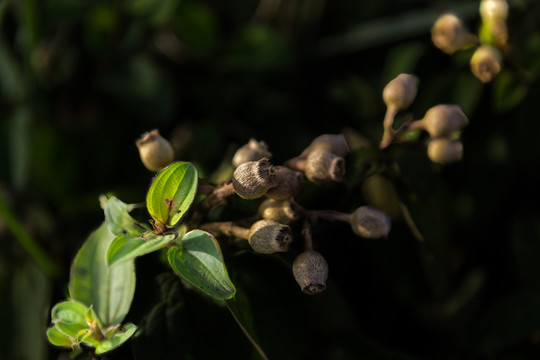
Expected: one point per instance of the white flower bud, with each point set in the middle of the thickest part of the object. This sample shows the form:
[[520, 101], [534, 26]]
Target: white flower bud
[[486, 63], [155, 151], [400, 91], [449, 34], [442, 120], [444, 150], [494, 10]]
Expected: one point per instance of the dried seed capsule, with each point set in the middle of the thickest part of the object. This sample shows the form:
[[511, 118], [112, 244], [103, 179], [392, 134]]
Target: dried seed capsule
[[442, 120], [333, 143], [252, 151], [282, 211], [252, 179], [288, 183], [494, 10], [486, 63], [449, 34], [267, 237], [400, 91], [310, 271], [323, 165], [155, 151], [444, 150], [370, 223]]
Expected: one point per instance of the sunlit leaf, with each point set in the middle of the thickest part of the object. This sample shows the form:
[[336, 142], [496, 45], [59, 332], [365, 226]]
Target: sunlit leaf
[[69, 317], [118, 219], [117, 339], [199, 261], [109, 290], [123, 249], [171, 193], [57, 338]]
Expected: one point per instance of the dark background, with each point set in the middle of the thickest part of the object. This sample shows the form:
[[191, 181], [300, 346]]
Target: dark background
[[80, 81]]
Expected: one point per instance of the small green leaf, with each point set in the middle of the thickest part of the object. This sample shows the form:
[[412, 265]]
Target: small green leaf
[[123, 248], [57, 338], [118, 219], [171, 193], [118, 339], [69, 312], [199, 261]]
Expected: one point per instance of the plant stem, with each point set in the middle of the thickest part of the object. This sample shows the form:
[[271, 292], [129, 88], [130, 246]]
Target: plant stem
[[308, 240], [388, 135], [227, 228], [219, 193]]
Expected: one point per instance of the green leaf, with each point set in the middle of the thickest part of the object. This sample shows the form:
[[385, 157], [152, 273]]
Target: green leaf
[[118, 339], [118, 218], [109, 290], [123, 249], [199, 261], [69, 317], [57, 338], [172, 193]]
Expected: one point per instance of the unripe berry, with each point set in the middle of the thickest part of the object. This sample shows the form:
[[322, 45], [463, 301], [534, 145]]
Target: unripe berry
[[252, 151], [486, 63], [310, 271], [288, 183], [252, 179], [400, 91], [282, 211], [449, 34], [333, 143], [268, 236], [155, 151], [442, 120], [323, 166], [444, 150], [494, 10], [370, 223]]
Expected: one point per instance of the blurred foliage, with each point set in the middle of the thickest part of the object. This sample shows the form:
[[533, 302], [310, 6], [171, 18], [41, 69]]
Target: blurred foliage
[[80, 81]]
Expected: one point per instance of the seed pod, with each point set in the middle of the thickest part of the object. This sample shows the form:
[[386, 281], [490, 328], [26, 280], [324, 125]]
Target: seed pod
[[281, 211], [486, 63], [442, 120], [323, 166], [444, 150], [155, 151], [400, 91], [310, 271], [449, 34], [267, 237], [252, 151], [333, 143], [370, 223], [288, 183], [494, 10], [252, 179]]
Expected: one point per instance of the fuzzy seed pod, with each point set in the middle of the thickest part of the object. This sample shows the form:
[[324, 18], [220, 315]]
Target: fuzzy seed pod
[[323, 166], [370, 223], [252, 151], [486, 63], [282, 211], [444, 150], [333, 143], [288, 183], [442, 120], [252, 179], [267, 237], [400, 91], [155, 151], [494, 10], [310, 271], [449, 34]]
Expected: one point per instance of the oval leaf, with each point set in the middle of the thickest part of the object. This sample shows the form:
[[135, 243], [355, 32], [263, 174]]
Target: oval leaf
[[199, 261], [172, 192], [123, 249], [58, 338], [69, 312], [109, 290], [118, 339]]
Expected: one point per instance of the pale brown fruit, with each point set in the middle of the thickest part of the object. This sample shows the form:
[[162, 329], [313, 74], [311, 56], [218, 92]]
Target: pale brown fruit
[[282, 211], [486, 63], [442, 120], [268, 236], [444, 150], [370, 223], [155, 151], [400, 91], [252, 151], [288, 183], [323, 166], [449, 34], [310, 271], [494, 10], [336, 144], [252, 179]]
